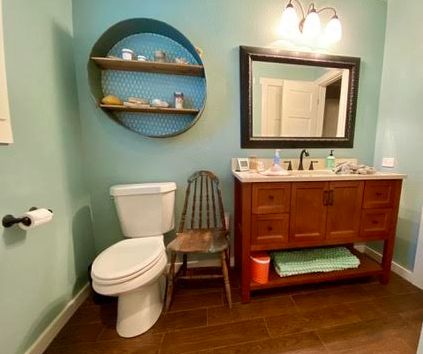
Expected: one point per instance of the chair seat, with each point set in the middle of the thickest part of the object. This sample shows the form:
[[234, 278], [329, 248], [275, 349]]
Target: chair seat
[[200, 240]]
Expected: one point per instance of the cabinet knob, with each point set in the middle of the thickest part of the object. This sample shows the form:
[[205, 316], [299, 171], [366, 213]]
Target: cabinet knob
[[269, 228], [378, 194], [271, 197], [375, 222]]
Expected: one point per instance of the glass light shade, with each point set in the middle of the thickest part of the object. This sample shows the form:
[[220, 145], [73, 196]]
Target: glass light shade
[[333, 30], [289, 22], [312, 26]]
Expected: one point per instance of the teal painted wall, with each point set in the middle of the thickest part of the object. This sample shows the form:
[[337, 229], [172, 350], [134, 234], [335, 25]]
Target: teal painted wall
[[41, 270], [400, 126], [115, 155]]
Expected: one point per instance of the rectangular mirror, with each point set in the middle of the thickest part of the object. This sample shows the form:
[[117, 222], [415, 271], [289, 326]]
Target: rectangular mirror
[[296, 100]]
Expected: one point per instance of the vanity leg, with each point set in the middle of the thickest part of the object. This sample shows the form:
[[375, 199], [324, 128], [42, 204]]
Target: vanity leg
[[245, 295], [388, 252]]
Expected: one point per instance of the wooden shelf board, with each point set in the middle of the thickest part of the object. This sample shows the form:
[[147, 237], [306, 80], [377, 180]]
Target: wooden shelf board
[[368, 267], [149, 66], [156, 110]]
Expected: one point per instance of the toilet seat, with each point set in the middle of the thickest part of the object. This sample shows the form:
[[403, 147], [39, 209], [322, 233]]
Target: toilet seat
[[145, 278], [127, 259]]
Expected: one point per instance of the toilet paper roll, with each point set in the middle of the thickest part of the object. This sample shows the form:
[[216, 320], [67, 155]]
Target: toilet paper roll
[[37, 217]]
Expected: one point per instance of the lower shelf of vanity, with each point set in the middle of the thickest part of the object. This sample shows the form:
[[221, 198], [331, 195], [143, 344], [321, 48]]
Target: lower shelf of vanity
[[368, 267]]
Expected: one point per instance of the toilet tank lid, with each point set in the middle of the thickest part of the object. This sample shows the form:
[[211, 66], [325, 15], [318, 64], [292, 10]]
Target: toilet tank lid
[[142, 188]]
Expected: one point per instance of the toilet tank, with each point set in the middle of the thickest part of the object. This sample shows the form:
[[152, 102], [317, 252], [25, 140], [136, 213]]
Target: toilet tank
[[145, 209]]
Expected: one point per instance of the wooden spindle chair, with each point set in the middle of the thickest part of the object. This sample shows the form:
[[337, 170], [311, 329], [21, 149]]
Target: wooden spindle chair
[[202, 229]]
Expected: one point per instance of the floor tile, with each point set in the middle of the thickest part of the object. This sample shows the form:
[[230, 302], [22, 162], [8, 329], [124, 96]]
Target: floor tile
[[361, 334], [173, 321], [147, 345], [78, 333], [305, 343], [188, 301], [256, 309], [311, 320], [213, 336], [396, 286], [95, 314], [400, 303], [329, 297]]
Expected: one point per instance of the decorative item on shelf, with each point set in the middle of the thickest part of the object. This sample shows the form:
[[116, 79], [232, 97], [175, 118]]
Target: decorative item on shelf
[[111, 100], [159, 103], [136, 102], [160, 56], [179, 100], [128, 54], [253, 162], [309, 25], [142, 58], [181, 61]]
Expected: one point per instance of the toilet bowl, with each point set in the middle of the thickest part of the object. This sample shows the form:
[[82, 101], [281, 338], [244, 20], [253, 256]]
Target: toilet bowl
[[133, 269]]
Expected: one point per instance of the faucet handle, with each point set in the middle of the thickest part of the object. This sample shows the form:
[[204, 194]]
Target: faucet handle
[[289, 165], [311, 168]]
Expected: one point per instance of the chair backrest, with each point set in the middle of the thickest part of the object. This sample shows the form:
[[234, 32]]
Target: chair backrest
[[203, 206]]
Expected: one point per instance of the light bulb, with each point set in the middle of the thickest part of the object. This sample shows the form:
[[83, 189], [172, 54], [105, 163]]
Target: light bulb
[[289, 22], [312, 26], [333, 30]]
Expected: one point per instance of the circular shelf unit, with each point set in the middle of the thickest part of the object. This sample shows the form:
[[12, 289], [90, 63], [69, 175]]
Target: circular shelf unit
[[110, 75]]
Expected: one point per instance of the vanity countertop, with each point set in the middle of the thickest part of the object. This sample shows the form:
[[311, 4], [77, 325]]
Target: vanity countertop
[[310, 176]]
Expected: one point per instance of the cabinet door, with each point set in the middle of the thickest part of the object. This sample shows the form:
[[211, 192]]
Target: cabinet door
[[379, 194], [271, 198], [269, 231], [376, 223], [344, 210], [308, 211]]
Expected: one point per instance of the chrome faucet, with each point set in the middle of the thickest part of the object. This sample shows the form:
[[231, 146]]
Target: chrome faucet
[[304, 152]]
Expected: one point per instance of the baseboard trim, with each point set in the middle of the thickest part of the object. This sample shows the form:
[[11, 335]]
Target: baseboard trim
[[44, 340], [396, 268]]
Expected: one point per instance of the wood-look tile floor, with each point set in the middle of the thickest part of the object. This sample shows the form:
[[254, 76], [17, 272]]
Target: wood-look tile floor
[[359, 316]]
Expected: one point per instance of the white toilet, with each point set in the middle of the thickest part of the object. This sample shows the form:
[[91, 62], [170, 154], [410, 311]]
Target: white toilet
[[133, 269]]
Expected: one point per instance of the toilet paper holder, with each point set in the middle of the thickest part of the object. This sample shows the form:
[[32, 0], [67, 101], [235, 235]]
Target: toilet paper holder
[[10, 220]]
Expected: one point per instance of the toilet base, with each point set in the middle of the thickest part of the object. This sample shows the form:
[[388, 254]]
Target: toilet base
[[139, 310]]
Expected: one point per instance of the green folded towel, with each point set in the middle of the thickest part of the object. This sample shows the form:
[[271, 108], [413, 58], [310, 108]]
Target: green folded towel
[[313, 260]]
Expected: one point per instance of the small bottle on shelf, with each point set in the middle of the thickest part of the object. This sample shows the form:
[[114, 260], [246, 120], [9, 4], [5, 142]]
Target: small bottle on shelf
[[179, 100]]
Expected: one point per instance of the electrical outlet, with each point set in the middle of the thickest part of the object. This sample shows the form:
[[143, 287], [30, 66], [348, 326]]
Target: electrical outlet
[[388, 162]]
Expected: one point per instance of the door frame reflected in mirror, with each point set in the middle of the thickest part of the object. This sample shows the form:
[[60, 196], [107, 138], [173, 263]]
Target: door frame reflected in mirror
[[248, 55]]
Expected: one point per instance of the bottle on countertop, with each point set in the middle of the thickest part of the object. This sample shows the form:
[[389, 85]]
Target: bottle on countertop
[[330, 161], [277, 157], [276, 166]]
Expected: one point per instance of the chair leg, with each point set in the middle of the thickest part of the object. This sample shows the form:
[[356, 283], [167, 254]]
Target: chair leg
[[226, 279], [184, 264], [170, 281], [228, 257]]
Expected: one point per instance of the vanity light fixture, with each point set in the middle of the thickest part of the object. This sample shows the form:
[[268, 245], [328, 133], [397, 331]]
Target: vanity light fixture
[[309, 25]]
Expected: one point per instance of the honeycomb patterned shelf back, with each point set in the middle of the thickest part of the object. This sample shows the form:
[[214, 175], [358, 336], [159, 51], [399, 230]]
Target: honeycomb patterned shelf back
[[125, 84]]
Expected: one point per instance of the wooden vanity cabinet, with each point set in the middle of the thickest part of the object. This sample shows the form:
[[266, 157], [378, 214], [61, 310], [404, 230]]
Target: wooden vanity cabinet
[[289, 215]]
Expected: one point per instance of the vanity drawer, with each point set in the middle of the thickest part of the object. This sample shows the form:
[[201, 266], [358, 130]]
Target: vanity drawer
[[269, 231], [271, 198], [376, 223], [379, 194]]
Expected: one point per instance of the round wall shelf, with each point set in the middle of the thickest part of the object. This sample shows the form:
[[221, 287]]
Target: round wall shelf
[[111, 75]]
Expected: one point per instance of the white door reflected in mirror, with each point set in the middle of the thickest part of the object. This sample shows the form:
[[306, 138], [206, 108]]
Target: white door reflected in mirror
[[299, 101]]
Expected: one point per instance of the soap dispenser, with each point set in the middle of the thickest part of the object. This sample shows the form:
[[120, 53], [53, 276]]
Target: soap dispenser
[[276, 167], [330, 161]]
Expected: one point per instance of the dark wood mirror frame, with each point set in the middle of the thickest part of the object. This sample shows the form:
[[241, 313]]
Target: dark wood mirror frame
[[250, 54]]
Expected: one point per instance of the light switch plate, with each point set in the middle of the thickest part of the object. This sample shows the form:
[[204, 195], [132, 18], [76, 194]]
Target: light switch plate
[[388, 162]]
